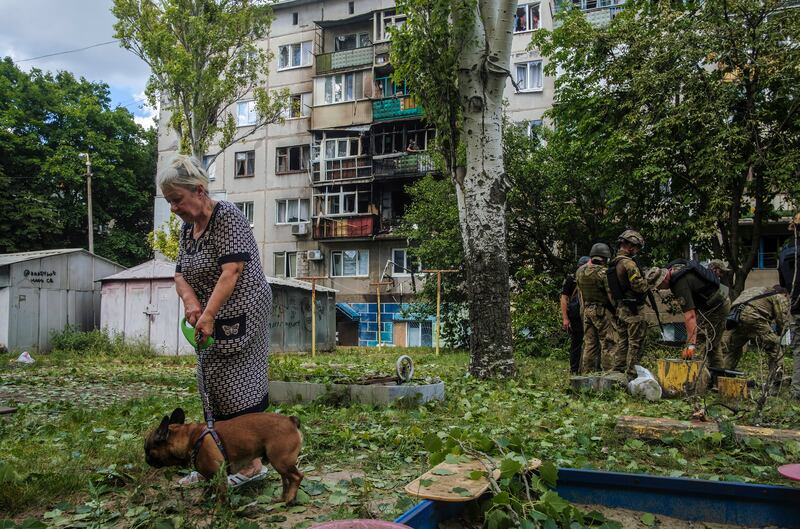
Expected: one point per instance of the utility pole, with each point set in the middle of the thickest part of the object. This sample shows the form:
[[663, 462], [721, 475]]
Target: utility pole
[[438, 300], [313, 280], [89, 199], [378, 286]]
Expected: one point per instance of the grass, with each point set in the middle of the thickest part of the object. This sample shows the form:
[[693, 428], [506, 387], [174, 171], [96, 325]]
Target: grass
[[72, 454]]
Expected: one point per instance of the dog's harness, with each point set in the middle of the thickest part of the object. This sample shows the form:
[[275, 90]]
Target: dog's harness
[[209, 430]]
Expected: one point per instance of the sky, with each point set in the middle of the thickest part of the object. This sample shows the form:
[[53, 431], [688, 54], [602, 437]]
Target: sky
[[31, 28]]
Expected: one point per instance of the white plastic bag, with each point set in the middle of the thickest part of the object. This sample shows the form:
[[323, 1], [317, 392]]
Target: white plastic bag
[[644, 385], [25, 358]]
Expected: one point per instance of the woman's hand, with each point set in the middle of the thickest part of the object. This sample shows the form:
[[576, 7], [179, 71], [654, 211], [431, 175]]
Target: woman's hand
[[192, 313], [204, 328]]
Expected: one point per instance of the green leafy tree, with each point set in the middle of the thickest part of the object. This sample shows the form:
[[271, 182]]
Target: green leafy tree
[[455, 57], [47, 121], [689, 113], [204, 58], [166, 238]]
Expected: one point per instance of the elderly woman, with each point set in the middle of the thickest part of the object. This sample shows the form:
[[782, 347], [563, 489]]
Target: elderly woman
[[225, 294]]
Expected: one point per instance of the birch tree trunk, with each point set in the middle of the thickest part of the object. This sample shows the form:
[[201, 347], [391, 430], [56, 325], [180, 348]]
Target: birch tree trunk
[[481, 188]]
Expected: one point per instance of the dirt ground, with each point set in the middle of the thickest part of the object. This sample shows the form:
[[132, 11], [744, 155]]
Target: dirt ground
[[633, 519]]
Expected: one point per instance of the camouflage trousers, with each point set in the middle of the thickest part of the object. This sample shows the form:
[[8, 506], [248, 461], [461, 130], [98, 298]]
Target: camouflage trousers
[[794, 329], [759, 333], [710, 328], [597, 335], [631, 330]]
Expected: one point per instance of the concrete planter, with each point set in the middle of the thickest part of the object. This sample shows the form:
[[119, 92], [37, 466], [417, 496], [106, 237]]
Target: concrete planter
[[293, 392]]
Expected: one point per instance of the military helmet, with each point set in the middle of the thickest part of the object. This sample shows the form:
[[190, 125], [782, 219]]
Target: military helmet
[[600, 249], [633, 237], [655, 276]]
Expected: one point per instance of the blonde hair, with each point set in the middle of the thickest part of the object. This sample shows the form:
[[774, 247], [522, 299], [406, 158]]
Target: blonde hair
[[184, 171]]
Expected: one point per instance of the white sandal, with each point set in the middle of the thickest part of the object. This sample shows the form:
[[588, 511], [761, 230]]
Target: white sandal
[[237, 480]]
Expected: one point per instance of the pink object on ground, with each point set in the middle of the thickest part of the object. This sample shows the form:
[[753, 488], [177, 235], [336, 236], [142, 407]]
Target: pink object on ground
[[790, 471], [360, 524]]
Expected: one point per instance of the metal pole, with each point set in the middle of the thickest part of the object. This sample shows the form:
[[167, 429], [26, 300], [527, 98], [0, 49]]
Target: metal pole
[[89, 200], [313, 280], [313, 318], [438, 306], [439, 301]]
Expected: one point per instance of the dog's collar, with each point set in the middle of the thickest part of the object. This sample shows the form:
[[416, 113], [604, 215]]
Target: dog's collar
[[217, 441]]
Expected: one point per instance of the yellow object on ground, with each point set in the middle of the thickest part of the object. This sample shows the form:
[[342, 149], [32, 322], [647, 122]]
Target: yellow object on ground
[[732, 389], [681, 377]]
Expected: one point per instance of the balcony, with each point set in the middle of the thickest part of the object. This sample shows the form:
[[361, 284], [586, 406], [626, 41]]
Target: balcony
[[345, 227], [342, 169], [395, 108], [403, 166], [339, 60]]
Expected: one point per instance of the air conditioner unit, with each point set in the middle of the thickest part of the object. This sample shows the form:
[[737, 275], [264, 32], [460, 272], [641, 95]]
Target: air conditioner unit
[[314, 255], [300, 229]]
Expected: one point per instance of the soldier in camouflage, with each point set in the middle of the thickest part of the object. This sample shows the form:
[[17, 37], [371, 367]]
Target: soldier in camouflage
[[597, 311], [789, 272], [760, 307], [629, 290]]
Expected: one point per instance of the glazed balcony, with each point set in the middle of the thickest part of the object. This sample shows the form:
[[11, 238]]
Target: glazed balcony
[[342, 170], [395, 108], [345, 227], [340, 60], [403, 166]]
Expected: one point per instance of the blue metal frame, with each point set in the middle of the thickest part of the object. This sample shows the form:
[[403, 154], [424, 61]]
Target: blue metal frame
[[686, 499]]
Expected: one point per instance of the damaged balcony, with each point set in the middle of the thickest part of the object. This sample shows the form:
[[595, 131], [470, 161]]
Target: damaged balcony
[[345, 227], [342, 170], [403, 165]]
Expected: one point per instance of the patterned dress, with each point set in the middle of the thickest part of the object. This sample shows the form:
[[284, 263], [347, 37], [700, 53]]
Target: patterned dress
[[235, 367]]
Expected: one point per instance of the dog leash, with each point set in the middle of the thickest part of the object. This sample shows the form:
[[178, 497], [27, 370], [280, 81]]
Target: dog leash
[[189, 334]]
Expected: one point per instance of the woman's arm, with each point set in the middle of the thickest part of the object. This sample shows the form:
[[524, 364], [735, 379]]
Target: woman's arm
[[222, 291], [191, 305]]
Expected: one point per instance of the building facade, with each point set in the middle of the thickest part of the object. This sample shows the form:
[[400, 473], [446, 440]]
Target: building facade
[[325, 190]]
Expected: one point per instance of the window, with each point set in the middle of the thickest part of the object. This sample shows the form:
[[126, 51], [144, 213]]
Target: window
[[291, 159], [419, 334], [247, 210], [343, 87], [388, 19], [350, 263], [245, 164], [292, 211], [526, 18], [529, 76], [285, 264], [403, 263], [352, 41], [295, 19], [385, 87], [351, 7], [299, 106], [396, 137], [246, 113], [210, 167], [344, 200], [294, 55], [342, 148], [533, 127]]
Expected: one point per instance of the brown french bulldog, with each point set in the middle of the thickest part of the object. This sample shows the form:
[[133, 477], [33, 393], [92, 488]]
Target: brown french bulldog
[[273, 437]]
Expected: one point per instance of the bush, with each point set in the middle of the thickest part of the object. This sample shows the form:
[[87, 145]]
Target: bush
[[535, 315], [97, 342]]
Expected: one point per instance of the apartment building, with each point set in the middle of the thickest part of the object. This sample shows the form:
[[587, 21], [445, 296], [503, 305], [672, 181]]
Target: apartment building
[[325, 190]]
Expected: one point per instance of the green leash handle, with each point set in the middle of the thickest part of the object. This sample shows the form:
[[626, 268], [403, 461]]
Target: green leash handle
[[188, 333]]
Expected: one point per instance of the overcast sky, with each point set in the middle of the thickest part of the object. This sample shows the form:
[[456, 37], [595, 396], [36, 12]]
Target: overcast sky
[[31, 28]]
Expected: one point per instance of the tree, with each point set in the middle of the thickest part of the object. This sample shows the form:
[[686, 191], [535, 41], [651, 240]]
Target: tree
[[47, 121], [691, 111], [455, 57], [204, 58]]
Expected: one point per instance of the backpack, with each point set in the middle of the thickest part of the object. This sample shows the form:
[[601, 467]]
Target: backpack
[[708, 277]]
